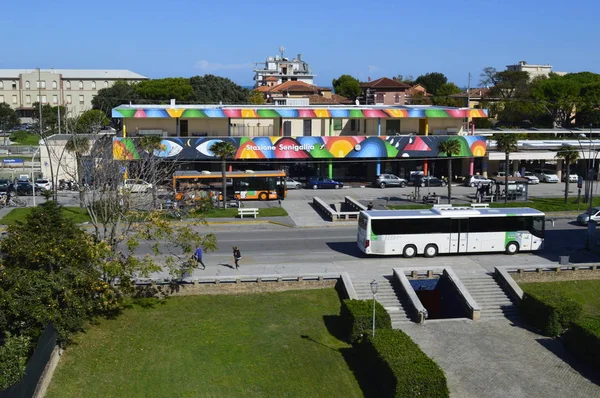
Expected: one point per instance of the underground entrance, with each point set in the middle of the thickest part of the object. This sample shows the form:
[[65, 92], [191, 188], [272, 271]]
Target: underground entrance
[[440, 297]]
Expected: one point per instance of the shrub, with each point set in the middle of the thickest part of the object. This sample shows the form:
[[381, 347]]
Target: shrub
[[357, 316], [399, 367], [13, 359], [583, 340], [550, 312], [19, 136]]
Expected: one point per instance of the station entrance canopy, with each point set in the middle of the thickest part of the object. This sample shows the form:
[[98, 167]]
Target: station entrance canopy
[[325, 147], [283, 112]]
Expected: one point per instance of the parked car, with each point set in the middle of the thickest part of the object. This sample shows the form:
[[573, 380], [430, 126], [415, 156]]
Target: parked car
[[531, 177], [290, 183], [475, 180], [43, 185], [429, 181], [24, 188], [389, 180], [594, 215], [546, 175], [320, 182], [135, 186], [499, 174], [5, 185], [572, 177]]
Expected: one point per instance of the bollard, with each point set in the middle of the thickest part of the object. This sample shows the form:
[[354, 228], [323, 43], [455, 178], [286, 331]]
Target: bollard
[[217, 281], [258, 280], [521, 271], [413, 274], [575, 268], [539, 270], [320, 278], [238, 280], [594, 267], [300, 279], [429, 274], [279, 279]]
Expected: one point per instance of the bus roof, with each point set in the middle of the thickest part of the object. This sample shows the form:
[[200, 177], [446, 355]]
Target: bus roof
[[454, 212], [229, 174]]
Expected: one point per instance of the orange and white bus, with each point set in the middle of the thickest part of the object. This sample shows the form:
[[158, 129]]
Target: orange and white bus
[[242, 185]]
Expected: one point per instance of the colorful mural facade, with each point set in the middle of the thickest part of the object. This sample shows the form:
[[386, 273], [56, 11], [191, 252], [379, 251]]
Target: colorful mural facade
[[346, 147], [389, 112]]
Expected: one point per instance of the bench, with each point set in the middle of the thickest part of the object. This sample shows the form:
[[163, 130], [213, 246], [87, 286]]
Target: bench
[[248, 212], [486, 198], [431, 199]]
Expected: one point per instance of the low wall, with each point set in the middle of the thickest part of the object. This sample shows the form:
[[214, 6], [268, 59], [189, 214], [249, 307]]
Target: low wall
[[509, 276], [240, 285]]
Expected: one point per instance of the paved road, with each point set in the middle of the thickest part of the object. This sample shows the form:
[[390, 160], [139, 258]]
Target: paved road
[[274, 249]]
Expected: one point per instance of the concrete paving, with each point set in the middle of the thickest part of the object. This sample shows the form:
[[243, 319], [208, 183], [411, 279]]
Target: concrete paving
[[498, 359]]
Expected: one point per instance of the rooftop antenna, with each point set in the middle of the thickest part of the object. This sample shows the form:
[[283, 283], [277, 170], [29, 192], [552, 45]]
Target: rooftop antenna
[[282, 50]]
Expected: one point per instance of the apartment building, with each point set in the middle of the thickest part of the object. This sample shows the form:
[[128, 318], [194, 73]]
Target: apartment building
[[533, 69], [280, 69], [72, 88]]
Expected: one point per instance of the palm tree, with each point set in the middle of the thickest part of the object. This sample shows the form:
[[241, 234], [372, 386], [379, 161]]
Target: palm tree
[[570, 155], [79, 146], [223, 150], [506, 143], [450, 148]]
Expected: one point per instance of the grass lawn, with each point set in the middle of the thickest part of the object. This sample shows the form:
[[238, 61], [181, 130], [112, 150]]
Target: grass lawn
[[28, 139], [259, 345], [233, 212], [587, 293], [18, 214], [542, 204]]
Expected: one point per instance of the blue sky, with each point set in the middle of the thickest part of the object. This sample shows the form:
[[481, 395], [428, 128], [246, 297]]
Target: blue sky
[[362, 38]]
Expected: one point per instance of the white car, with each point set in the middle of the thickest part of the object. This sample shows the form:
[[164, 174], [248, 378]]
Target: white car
[[572, 177], [546, 175], [290, 183], [136, 186], [43, 184], [475, 180], [531, 177]]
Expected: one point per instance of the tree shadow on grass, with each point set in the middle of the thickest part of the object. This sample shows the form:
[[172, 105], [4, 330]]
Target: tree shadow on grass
[[556, 346]]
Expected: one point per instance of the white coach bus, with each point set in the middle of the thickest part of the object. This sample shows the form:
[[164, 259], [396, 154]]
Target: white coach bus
[[447, 229]]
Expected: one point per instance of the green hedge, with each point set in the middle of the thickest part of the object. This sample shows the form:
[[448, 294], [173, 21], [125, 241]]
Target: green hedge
[[357, 316], [549, 311], [583, 340], [399, 367]]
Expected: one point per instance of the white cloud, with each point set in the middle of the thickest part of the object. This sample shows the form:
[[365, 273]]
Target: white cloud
[[207, 65], [372, 68]]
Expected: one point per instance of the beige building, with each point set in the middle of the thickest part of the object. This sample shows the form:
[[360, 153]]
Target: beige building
[[533, 70], [72, 88]]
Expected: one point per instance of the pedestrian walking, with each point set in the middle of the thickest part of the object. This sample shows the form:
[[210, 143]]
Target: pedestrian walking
[[197, 256], [236, 256]]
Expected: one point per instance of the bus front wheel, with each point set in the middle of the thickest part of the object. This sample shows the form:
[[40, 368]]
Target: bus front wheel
[[262, 196], [409, 251], [512, 248], [431, 251]]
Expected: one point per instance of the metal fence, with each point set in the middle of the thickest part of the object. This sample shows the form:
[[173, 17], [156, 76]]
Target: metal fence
[[25, 388], [17, 149], [251, 131]]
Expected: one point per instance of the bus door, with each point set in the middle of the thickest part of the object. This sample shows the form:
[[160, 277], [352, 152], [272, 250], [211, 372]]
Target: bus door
[[459, 235]]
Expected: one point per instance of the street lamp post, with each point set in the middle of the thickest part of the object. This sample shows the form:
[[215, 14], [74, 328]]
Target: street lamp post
[[374, 287], [32, 176]]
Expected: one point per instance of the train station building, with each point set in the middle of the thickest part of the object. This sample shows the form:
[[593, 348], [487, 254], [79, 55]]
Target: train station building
[[349, 143]]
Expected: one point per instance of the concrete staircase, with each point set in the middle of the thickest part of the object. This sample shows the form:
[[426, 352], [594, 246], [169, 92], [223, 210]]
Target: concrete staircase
[[492, 299], [388, 295]]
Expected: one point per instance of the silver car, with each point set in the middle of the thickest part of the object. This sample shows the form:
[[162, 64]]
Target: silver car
[[290, 183], [389, 180]]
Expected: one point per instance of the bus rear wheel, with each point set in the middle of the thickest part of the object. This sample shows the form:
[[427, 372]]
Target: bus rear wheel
[[512, 248], [431, 251], [262, 196], [409, 251]]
